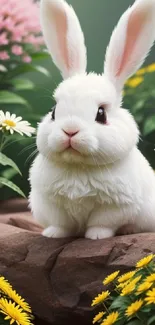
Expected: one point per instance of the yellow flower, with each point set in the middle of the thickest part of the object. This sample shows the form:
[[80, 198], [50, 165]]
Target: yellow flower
[[126, 276], [4, 285], [111, 318], [111, 277], [135, 280], [134, 82], [151, 67], [19, 300], [128, 289], [143, 287], [145, 261], [122, 285], [100, 298], [130, 286], [141, 71], [13, 313], [133, 308], [150, 278], [7, 289], [151, 297], [98, 317]]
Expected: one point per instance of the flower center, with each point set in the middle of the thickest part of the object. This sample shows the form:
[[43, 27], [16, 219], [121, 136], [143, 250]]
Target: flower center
[[9, 123]]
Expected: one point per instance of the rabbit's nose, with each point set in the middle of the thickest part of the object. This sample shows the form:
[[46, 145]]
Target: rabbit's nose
[[70, 133]]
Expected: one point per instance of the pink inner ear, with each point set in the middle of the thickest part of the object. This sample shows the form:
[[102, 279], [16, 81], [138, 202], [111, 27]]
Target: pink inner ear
[[135, 25], [61, 28]]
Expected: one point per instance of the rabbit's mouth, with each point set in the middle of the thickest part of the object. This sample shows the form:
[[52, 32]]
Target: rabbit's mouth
[[72, 151]]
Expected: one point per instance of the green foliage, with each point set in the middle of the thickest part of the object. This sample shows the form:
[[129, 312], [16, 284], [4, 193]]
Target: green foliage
[[132, 297], [6, 182], [139, 98], [7, 97], [13, 86], [5, 161]]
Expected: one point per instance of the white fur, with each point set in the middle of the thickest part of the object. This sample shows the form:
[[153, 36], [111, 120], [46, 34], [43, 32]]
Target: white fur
[[117, 45], [103, 181], [75, 46]]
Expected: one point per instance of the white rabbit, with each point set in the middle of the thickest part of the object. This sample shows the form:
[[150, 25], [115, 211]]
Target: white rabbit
[[89, 178]]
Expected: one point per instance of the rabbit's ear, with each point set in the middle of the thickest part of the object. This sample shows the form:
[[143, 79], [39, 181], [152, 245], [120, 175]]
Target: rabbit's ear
[[130, 42], [63, 36]]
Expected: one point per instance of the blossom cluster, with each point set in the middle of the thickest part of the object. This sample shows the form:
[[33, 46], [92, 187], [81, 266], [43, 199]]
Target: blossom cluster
[[132, 298], [139, 76], [19, 26], [12, 306]]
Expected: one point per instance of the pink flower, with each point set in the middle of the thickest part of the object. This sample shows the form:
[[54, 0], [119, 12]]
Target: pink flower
[[4, 56], [26, 59], [8, 23], [3, 39], [17, 50], [20, 20]]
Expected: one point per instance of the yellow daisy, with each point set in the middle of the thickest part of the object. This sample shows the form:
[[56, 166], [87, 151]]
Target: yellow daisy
[[4, 285], [150, 299], [7, 289], [111, 318], [110, 277], [145, 261], [98, 317], [143, 287], [128, 289], [122, 285], [100, 298], [13, 313], [141, 71], [134, 82], [150, 278], [126, 276], [151, 67], [133, 308], [19, 300]]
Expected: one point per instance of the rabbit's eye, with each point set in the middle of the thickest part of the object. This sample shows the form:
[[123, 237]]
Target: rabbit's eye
[[53, 113], [101, 115]]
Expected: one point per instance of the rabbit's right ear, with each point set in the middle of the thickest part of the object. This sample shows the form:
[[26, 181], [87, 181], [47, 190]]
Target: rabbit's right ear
[[63, 36], [130, 42]]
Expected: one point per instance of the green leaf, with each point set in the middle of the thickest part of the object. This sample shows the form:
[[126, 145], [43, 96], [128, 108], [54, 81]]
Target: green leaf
[[120, 302], [5, 161], [151, 320], [25, 68], [11, 185], [9, 173], [23, 84], [149, 125], [7, 97], [138, 106], [42, 70], [40, 55]]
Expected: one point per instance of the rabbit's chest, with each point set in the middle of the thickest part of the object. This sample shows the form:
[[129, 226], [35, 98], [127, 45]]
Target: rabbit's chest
[[81, 192]]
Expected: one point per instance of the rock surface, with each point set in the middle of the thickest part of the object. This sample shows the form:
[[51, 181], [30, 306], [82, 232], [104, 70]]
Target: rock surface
[[59, 277]]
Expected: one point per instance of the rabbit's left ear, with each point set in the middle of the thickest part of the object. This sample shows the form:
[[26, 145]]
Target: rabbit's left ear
[[63, 36], [130, 42]]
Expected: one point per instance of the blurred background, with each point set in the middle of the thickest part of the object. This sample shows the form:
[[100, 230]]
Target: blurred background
[[35, 77]]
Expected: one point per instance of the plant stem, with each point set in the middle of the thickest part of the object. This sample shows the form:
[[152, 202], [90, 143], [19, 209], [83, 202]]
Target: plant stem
[[4, 140], [106, 308]]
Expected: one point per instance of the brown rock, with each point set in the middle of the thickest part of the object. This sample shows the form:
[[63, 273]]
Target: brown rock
[[59, 277], [13, 206]]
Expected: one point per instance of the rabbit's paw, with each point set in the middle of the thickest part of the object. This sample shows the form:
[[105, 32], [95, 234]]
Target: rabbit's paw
[[56, 232], [99, 233]]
